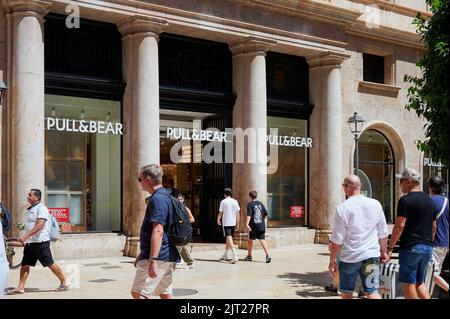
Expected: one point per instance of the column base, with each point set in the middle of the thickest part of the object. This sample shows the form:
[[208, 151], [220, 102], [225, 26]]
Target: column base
[[131, 247], [322, 236]]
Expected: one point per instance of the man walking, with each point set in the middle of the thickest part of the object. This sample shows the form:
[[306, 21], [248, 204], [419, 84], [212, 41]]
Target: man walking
[[360, 235], [414, 226], [37, 242], [155, 263], [229, 219], [440, 244], [256, 225]]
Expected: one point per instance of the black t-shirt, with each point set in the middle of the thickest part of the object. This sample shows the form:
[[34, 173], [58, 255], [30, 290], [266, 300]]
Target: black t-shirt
[[418, 209], [257, 212]]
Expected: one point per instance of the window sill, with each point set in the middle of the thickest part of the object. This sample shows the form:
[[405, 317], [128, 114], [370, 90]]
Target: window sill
[[378, 88]]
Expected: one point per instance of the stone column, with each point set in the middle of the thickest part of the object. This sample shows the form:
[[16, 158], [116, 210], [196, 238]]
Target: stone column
[[326, 157], [250, 112], [25, 100], [140, 116]]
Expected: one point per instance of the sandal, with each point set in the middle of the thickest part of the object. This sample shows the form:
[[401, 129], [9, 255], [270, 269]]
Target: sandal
[[15, 292], [63, 288]]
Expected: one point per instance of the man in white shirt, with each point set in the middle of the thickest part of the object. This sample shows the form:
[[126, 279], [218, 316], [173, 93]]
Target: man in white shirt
[[229, 219], [360, 234], [37, 242]]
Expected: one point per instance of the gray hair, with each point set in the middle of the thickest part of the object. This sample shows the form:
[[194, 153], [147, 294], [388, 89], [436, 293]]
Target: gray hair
[[154, 171]]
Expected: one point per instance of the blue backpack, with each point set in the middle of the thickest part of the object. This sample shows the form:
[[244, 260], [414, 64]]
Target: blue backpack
[[6, 218], [54, 228]]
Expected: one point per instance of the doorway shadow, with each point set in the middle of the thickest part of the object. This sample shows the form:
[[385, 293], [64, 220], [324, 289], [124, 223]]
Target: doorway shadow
[[310, 284]]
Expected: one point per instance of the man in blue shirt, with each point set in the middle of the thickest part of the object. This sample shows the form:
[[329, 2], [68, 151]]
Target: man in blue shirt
[[155, 263], [440, 243]]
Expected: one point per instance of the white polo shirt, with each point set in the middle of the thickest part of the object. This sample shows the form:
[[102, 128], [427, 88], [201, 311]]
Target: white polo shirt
[[38, 211], [230, 207], [358, 225]]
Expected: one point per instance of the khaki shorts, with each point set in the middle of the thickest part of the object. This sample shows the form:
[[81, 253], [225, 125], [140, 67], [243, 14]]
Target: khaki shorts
[[161, 284], [439, 254]]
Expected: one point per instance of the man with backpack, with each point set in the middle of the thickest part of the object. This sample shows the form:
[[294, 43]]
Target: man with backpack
[[37, 242], [155, 263]]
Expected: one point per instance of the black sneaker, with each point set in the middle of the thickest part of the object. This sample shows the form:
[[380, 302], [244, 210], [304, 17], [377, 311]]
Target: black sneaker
[[248, 258], [268, 259], [331, 289]]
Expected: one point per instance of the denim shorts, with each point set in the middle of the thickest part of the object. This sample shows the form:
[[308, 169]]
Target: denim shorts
[[414, 263], [368, 270]]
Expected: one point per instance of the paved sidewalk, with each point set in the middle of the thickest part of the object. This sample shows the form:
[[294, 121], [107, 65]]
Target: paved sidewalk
[[295, 272]]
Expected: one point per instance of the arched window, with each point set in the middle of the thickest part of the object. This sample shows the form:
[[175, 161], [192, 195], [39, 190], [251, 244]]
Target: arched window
[[376, 170]]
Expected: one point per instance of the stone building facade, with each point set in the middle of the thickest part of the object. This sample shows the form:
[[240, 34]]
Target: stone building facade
[[299, 66]]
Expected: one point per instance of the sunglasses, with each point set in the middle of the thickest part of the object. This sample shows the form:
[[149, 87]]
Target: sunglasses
[[403, 180]]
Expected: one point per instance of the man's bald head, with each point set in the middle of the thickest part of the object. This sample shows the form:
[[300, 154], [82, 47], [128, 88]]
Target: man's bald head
[[352, 185], [352, 180]]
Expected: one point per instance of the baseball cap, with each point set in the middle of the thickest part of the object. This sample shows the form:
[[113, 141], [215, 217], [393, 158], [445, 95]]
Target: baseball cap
[[409, 173]]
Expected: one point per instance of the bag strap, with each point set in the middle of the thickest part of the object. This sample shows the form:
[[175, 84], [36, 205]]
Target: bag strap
[[443, 208]]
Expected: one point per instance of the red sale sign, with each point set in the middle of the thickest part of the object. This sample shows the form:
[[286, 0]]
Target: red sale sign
[[61, 214], [297, 212]]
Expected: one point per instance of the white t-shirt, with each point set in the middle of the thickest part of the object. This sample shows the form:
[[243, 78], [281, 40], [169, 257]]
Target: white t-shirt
[[358, 225], [230, 207], [38, 211], [2, 247]]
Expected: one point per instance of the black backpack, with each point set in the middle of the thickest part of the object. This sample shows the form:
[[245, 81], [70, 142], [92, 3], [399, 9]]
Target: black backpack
[[5, 217], [179, 230]]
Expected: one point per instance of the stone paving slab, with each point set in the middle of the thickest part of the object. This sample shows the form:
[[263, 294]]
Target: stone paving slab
[[296, 272]]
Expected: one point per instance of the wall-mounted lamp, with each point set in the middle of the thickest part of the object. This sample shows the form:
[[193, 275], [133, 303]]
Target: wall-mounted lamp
[[53, 112], [356, 124], [82, 115]]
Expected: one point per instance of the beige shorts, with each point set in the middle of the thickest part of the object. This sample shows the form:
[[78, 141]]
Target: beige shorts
[[439, 254], [161, 284]]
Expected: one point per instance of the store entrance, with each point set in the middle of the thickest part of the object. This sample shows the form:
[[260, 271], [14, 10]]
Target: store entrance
[[186, 173]]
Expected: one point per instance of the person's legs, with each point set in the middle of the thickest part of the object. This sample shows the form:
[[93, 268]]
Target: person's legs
[[410, 291], [439, 254], [249, 247], [186, 256], [58, 273], [425, 256], [370, 277], [4, 272], [348, 273], [438, 280], [408, 261], [264, 246], [24, 272], [422, 291], [233, 251]]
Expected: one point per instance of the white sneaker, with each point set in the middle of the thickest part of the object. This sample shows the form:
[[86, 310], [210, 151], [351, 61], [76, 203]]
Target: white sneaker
[[224, 257], [179, 265], [235, 260], [191, 266]]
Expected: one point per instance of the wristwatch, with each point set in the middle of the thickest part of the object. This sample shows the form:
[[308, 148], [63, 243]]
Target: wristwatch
[[152, 258]]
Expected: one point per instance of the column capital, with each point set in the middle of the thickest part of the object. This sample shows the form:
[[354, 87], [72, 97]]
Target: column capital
[[327, 59], [142, 24], [251, 44], [27, 7]]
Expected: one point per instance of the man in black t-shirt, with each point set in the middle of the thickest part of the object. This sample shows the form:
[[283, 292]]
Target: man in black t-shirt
[[256, 214], [415, 226]]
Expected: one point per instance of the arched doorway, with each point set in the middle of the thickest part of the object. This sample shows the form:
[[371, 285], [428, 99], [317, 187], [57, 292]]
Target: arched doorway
[[377, 169]]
